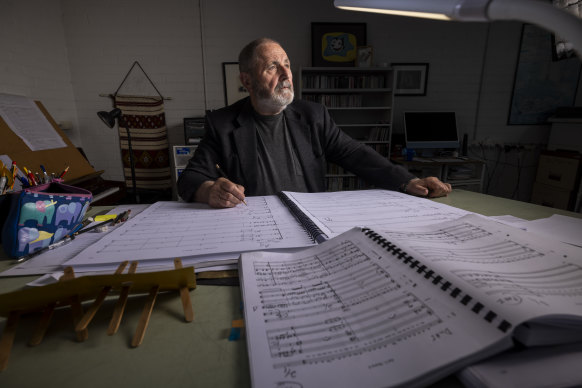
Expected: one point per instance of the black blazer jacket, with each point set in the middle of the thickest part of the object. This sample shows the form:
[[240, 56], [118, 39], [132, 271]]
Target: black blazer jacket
[[231, 141]]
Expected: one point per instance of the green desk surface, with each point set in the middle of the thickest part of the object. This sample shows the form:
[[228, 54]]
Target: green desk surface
[[174, 353]]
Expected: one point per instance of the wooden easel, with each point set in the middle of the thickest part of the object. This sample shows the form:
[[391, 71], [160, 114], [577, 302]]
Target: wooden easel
[[71, 291]]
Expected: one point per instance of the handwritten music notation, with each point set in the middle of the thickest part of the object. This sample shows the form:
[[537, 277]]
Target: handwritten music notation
[[337, 212], [177, 229], [328, 315], [561, 280], [505, 264], [465, 242], [368, 307]]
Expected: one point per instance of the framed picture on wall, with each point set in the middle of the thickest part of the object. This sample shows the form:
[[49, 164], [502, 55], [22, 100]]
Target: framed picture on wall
[[336, 44], [233, 88], [365, 56], [410, 79]]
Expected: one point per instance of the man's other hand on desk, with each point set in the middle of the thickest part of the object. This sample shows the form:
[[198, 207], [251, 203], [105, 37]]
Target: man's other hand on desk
[[428, 187], [220, 193]]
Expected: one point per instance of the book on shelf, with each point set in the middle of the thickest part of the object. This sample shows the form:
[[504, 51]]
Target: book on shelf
[[405, 306], [326, 81]]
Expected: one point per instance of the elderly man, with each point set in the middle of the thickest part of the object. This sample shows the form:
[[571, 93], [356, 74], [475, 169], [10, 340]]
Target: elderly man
[[268, 142]]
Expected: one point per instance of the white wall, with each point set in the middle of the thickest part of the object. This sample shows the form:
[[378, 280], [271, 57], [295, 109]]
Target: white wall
[[34, 58], [181, 44], [105, 38]]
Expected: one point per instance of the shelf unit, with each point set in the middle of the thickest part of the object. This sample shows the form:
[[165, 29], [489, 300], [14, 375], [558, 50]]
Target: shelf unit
[[461, 173], [360, 102]]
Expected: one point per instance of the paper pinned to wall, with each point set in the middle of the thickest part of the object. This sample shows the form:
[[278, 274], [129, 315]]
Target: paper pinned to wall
[[26, 120]]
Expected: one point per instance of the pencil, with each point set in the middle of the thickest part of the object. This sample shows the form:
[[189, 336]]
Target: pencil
[[226, 177], [64, 172]]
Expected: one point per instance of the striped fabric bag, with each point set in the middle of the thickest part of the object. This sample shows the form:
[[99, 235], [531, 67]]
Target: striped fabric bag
[[145, 120]]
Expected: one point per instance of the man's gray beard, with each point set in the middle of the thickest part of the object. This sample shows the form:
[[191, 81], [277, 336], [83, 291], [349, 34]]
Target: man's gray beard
[[275, 100]]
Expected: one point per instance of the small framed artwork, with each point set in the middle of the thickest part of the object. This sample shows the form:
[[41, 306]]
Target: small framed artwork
[[335, 44], [410, 79], [365, 55], [233, 88]]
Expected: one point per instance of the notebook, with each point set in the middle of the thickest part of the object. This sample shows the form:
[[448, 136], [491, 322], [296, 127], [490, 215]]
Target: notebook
[[403, 307]]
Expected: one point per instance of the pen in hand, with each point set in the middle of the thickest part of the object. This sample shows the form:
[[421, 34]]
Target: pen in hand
[[226, 177]]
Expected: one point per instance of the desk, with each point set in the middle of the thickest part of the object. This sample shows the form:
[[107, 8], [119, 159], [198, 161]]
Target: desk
[[174, 353]]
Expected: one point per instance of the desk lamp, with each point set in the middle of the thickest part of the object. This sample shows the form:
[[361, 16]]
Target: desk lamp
[[537, 12], [109, 120]]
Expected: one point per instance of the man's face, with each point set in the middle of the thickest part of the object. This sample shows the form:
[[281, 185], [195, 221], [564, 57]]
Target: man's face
[[271, 82]]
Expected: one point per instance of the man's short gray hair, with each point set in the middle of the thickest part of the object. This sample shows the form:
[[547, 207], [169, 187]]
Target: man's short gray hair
[[248, 55]]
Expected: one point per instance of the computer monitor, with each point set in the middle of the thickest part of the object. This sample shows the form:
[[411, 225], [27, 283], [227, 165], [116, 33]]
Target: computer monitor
[[430, 130]]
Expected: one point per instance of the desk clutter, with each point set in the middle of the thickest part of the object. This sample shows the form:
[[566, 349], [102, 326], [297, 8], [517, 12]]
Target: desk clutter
[[36, 217], [325, 302], [71, 291]]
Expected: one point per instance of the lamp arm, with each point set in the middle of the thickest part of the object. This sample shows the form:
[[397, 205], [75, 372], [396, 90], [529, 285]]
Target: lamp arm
[[543, 14]]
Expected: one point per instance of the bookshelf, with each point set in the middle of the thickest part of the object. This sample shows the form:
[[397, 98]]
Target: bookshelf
[[360, 101]]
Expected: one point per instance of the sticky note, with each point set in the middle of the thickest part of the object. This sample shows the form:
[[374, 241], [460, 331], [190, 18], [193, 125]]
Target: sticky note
[[238, 323], [105, 217]]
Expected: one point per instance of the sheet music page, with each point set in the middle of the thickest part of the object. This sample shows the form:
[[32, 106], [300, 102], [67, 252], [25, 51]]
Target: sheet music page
[[178, 229], [26, 120], [345, 313], [519, 274], [337, 212]]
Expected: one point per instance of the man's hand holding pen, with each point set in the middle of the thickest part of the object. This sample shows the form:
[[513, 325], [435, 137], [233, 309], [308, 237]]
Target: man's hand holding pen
[[225, 193], [221, 193]]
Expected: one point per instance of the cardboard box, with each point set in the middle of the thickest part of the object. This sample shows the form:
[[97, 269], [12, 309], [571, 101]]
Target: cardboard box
[[551, 196], [558, 171]]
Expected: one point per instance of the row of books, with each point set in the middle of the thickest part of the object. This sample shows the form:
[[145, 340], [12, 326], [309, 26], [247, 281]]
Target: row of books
[[379, 134], [335, 100], [317, 81]]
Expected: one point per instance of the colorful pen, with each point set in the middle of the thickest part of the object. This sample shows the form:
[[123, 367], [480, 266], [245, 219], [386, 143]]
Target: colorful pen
[[64, 172], [14, 172], [46, 177], [31, 180]]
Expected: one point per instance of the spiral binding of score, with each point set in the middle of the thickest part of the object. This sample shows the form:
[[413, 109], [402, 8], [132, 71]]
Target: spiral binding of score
[[437, 280]]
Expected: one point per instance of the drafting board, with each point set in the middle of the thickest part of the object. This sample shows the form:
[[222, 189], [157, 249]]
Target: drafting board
[[54, 160]]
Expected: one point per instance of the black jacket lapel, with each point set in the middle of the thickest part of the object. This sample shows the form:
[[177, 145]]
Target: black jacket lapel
[[245, 141]]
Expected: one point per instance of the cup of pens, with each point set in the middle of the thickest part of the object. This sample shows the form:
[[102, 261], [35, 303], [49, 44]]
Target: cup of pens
[[35, 217]]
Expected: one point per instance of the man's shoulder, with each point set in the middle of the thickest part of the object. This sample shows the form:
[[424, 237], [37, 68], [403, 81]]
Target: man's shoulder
[[232, 109]]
